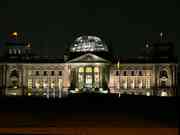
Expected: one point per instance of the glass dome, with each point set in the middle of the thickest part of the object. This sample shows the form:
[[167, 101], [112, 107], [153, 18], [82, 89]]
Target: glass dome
[[88, 44]]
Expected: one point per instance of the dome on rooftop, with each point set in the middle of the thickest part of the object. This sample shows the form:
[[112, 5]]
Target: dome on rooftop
[[88, 44]]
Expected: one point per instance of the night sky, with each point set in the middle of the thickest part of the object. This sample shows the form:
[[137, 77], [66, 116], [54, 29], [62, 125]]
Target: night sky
[[52, 25]]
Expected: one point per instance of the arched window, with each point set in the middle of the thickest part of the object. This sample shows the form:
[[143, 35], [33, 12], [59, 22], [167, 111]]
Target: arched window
[[140, 73], [132, 73], [163, 73], [14, 79], [14, 73], [52, 73], [125, 73], [163, 84]]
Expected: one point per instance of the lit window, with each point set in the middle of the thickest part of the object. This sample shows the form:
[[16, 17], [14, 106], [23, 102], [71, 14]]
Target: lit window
[[29, 73], [81, 80], [148, 73], [89, 69], [37, 84], [140, 84], [148, 83], [81, 69], [45, 85], [96, 69], [132, 84], [125, 84], [60, 83], [52, 84], [29, 83]]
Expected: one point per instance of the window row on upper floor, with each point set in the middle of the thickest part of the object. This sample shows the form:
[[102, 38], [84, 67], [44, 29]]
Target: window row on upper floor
[[133, 73], [45, 73]]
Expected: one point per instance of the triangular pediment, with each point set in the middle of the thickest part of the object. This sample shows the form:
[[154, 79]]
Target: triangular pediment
[[88, 58]]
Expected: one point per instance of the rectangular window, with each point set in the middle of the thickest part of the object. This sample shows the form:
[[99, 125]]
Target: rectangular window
[[60, 83], [52, 84], [81, 69], [29, 84], [29, 73], [125, 73], [45, 73], [37, 84], [60, 73], [125, 84], [52, 73], [148, 85], [132, 73], [140, 84], [88, 69], [37, 73], [117, 73], [45, 84], [140, 73]]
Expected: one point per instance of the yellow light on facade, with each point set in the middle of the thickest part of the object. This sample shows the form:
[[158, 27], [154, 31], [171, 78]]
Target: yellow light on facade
[[81, 69], [96, 69], [15, 34], [29, 94], [76, 89], [148, 73], [14, 94], [15, 87], [118, 65], [89, 69]]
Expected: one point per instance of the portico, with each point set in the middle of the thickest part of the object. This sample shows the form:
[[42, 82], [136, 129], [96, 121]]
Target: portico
[[87, 72]]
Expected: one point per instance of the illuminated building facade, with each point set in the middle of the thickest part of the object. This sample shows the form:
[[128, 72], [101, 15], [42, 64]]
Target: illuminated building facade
[[88, 66]]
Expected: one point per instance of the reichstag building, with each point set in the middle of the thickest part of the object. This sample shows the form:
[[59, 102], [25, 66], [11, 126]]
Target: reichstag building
[[88, 66]]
